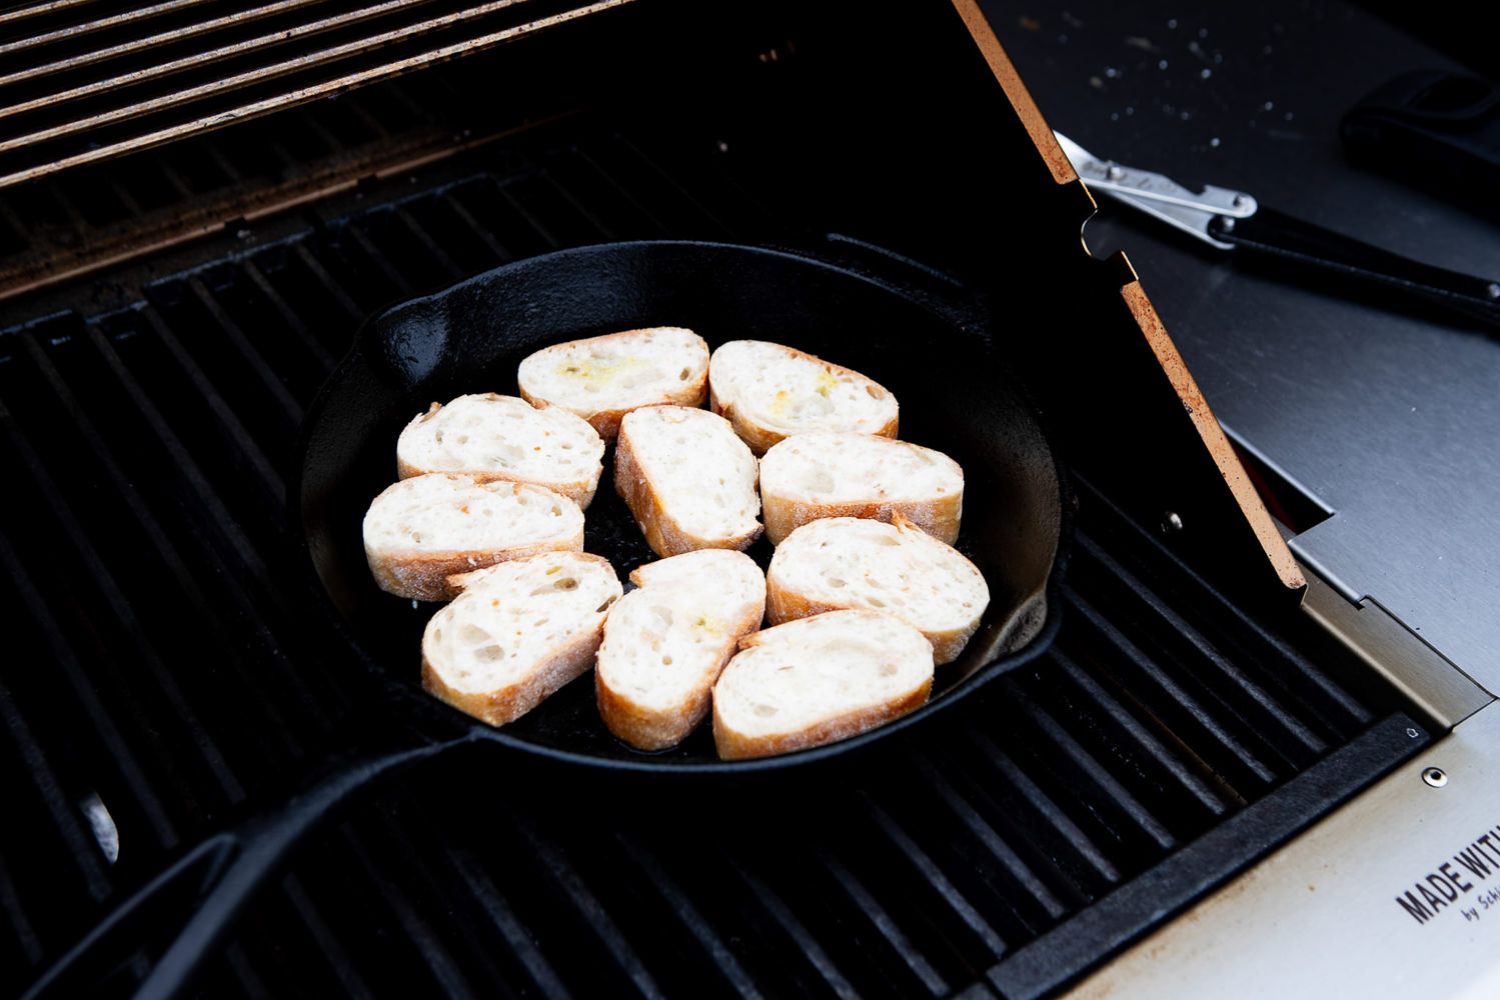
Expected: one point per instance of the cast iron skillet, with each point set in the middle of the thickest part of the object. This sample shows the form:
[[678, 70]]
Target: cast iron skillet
[[472, 336], [880, 317]]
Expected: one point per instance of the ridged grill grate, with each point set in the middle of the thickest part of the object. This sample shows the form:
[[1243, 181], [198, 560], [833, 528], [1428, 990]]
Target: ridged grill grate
[[85, 82], [159, 661]]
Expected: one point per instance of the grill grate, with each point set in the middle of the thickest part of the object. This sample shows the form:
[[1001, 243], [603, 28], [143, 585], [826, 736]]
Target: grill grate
[[161, 664], [87, 82], [99, 214]]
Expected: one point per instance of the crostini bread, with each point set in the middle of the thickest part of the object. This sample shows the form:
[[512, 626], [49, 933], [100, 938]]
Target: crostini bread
[[518, 633], [603, 378], [769, 392], [898, 569], [488, 436], [422, 530], [665, 643], [687, 479], [842, 474], [818, 680]]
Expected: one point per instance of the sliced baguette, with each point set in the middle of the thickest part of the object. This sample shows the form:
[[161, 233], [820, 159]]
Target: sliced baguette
[[518, 633], [818, 680], [603, 378], [898, 569], [665, 643], [770, 392], [489, 436], [841, 474], [687, 479], [422, 530]]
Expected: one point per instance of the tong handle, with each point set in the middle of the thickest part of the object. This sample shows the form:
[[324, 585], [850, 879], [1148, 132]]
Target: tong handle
[[1281, 237]]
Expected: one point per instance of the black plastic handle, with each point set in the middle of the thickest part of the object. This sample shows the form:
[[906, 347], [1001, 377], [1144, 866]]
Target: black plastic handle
[[192, 905], [1282, 238]]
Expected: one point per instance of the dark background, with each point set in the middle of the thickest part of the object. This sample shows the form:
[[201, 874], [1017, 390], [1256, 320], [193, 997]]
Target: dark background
[[1467, 32]]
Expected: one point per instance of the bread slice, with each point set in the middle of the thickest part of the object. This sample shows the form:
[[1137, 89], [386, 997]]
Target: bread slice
[[603, 378], [898, 569], [489, 436], [422, 530], [818, 680], [842, 474], [770, 392], [687, 479], [518, 633], [665, 643]]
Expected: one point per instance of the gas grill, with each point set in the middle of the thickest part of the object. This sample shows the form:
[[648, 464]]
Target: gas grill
[[178, 281]]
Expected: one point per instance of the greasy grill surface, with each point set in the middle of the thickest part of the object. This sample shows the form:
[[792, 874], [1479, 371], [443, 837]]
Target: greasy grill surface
[[163, 664]]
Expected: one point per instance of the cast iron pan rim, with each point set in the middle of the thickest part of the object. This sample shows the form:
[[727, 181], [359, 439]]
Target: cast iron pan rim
[[430, 708]]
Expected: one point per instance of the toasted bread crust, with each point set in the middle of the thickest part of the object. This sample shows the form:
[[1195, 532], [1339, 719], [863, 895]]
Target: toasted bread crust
[[457, 583], [938, 517], [759, 437], [662, 532], [657, 729], [647, 728], [580, 493], [423, 576], [507, 704], [607, 422], [784, 604], [733, 745]]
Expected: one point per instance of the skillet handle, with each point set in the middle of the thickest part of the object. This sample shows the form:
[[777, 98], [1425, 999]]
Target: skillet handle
[[193, 904], [888, 263], [943, 293]]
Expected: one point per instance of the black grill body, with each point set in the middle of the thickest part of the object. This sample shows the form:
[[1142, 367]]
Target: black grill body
[[163, 669]]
